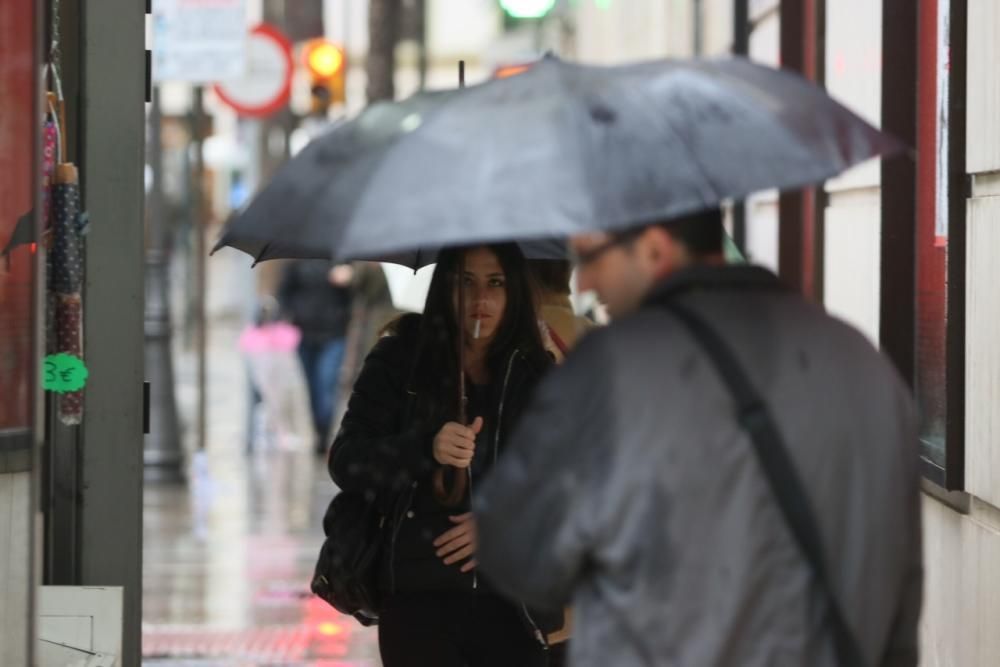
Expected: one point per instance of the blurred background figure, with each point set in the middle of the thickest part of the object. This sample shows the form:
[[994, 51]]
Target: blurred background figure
[[371, 309], [553, 285], [315, 296], [269, 346]]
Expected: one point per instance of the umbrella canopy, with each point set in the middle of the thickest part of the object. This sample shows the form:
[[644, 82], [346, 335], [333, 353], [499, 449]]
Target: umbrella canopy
[[559, 150], [417, 259]]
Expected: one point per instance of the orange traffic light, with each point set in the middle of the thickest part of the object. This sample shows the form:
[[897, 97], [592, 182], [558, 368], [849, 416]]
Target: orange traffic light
[[327, 65], [324, 59]]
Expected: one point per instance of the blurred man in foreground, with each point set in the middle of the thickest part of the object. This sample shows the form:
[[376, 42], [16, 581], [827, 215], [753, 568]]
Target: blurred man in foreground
[[635, 489]]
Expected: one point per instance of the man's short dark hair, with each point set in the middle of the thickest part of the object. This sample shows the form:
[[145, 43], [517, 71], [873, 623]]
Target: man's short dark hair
[[701, 232], [552, 275]]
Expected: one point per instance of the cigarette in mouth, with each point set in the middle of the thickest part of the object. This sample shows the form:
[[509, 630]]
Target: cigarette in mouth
[[475, 334]]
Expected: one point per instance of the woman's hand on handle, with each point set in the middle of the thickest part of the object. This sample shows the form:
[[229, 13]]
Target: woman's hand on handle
[[455, 444]]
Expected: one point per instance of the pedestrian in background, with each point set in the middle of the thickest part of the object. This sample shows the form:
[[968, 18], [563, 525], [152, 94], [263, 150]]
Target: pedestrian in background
[[371, 310], [269, 345], [644, 487], [315, 296], [562, 327]]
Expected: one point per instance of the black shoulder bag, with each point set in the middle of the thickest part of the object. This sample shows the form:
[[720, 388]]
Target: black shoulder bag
[[755, 418], [346, 574]]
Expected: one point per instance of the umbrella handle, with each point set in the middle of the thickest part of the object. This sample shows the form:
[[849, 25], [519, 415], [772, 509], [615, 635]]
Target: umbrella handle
[[445, 496], [454, 496]]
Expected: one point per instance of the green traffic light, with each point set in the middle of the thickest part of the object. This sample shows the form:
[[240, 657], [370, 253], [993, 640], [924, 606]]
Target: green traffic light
[[527, 9]]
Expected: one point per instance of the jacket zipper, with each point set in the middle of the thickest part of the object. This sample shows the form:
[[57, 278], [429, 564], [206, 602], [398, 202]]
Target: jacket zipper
[[496, 443], [503, 396], [395, 533], [475, 575], [539, 635]]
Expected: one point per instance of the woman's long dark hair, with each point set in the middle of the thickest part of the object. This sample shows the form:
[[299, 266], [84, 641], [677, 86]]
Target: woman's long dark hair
[[434, 377]]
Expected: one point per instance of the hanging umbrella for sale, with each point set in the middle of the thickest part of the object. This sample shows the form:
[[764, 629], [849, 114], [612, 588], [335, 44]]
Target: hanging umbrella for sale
[[67, 279], [65, 276], [558, 150]]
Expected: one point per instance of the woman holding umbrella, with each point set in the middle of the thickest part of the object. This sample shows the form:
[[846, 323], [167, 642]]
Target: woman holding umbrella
[[405, 421]]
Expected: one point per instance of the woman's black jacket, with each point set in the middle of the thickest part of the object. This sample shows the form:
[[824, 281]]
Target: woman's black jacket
[[385, 452]]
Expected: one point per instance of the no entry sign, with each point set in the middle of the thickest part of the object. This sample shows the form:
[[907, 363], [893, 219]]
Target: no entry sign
[[266, 85]]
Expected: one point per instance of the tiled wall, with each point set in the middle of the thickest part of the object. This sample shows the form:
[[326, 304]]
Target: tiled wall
[[15, 557], [851, 267], [962, 587]]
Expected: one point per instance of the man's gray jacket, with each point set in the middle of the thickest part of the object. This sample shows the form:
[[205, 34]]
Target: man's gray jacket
[[630, 490]]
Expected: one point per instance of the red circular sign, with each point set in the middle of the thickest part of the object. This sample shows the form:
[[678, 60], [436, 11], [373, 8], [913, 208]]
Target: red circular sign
[[266, 85]]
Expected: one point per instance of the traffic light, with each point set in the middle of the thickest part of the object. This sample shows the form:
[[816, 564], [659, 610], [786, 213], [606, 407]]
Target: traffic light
[[327, 65], [527, 9]]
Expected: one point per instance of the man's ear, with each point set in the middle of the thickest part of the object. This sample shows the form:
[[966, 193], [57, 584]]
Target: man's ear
[[660, 251]]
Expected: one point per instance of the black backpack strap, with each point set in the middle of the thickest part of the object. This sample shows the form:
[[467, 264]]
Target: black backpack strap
[[755, 418]]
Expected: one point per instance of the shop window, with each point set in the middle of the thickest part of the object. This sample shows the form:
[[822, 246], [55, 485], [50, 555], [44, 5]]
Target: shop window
[[17, 251], [939, 248]]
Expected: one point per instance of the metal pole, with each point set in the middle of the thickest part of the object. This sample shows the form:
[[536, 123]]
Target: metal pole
[[162, 456], [112, 35], [383, 35], [346, 18], [793, 205], [699, 24], [200, 263], [741, 47], [421, 10], [741, 27]]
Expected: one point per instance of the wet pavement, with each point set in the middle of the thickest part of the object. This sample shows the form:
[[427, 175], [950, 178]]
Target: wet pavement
[[229, 555]]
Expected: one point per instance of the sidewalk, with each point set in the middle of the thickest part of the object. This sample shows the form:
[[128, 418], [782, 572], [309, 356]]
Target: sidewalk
[[228, 557]]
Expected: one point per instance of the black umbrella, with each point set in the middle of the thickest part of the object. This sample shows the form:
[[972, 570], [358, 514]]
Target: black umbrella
[[415, 259], [286, 220], [558, 150]]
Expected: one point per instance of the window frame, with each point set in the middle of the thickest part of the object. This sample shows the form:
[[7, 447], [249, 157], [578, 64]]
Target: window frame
[[902, 42]]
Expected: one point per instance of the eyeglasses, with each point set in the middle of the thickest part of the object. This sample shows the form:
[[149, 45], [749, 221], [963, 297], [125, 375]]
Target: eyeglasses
[[581, 259]]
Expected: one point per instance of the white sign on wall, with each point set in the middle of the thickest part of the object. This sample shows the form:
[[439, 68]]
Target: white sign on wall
[[199, 41]]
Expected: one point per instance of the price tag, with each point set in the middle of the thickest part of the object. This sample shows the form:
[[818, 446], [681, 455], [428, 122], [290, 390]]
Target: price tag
[[64, 373]]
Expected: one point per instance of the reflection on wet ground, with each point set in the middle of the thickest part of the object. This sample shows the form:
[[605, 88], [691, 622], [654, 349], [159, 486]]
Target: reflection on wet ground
[[228, 557]]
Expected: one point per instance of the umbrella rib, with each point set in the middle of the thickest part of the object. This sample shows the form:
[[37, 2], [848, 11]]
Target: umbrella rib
[[693, 156], [263, 250], [426, 114]]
